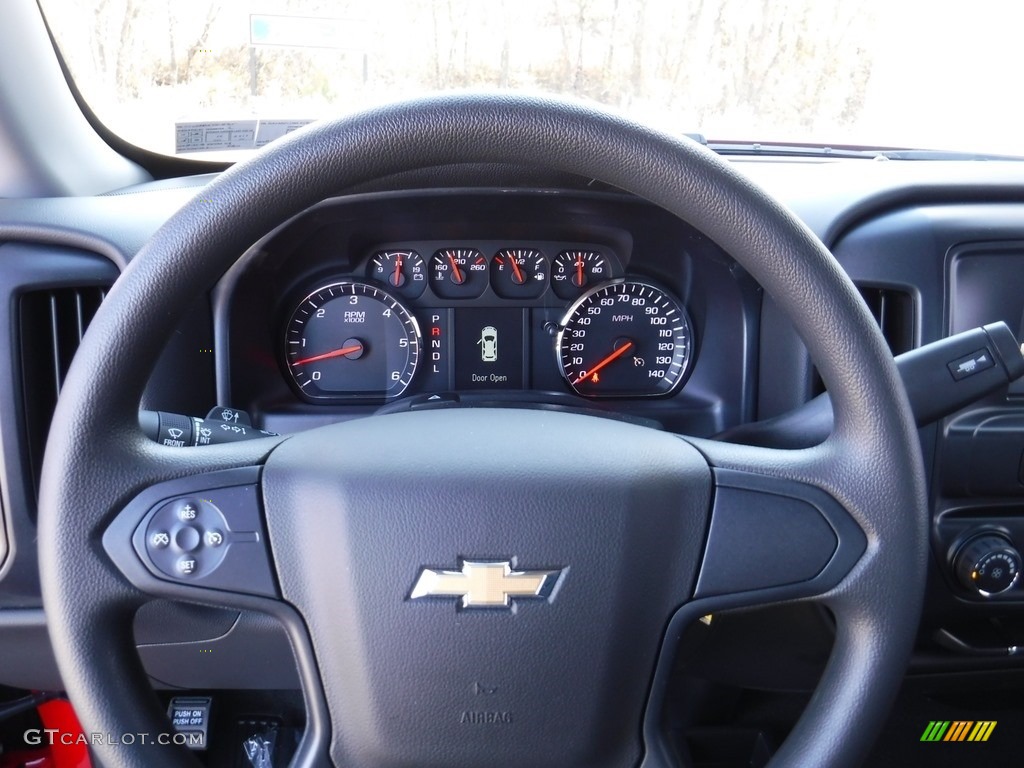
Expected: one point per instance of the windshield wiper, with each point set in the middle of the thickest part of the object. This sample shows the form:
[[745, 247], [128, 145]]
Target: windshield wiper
[[769, 149], [941, 154]]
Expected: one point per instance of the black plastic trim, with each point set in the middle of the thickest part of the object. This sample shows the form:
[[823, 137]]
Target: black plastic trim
[[28, 660], [253, 654], [851, 544], [658, 752]]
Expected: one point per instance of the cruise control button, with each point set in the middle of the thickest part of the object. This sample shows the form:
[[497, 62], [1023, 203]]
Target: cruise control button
[[210, 538], [187, 538]]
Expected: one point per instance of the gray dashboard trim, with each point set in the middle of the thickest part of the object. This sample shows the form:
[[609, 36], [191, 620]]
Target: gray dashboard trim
[[831, 197]]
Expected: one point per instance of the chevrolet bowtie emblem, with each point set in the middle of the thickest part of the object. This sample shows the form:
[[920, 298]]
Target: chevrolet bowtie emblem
[[485, 584]]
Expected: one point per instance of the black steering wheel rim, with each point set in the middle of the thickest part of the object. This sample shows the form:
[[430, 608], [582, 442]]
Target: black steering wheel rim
[[97, 459]]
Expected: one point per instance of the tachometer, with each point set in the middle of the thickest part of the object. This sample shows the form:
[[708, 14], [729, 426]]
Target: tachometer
[[351, 339], [625, 339]]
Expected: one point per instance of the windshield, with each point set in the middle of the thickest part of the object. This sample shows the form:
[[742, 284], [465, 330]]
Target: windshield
[[219, 78]]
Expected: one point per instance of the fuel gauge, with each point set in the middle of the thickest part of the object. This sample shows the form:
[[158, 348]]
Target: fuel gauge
[[519, 273], [402, 270]]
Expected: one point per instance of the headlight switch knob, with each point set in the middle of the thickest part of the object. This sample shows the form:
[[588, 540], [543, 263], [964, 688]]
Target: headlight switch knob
[[987, 564]]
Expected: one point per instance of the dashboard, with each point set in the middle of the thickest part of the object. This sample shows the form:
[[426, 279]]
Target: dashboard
[[935, 249], [577, 300]]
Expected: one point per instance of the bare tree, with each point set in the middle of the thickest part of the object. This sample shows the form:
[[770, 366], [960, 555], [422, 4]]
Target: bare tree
[[794, 65]]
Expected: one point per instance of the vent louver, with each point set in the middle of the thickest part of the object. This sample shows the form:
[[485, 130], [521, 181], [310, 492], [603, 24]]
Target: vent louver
[[893, 310], [52, 323]]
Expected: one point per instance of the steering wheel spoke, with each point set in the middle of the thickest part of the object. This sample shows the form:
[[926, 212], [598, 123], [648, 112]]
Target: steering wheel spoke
[[773, 539], [157, 473], [200, 537], [776, 533]]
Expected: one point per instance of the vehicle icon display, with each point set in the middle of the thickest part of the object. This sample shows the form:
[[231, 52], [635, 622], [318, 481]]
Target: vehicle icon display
[[489, 344]]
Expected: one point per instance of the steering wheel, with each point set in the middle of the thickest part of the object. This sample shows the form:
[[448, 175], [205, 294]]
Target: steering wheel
[[591, 548]]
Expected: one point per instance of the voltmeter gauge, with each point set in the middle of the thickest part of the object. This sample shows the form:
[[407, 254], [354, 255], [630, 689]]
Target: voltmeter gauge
[[403, 271], [625, 338]]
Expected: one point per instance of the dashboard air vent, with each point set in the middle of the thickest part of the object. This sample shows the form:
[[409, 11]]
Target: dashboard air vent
[[894, 312], [52, 323]]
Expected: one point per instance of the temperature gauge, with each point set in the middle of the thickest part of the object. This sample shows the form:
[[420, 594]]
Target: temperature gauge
[[458, 273], [519, 273], [402, 270], [575, 271]]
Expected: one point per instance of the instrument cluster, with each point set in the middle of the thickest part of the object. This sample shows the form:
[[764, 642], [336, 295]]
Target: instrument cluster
[[446, 316]]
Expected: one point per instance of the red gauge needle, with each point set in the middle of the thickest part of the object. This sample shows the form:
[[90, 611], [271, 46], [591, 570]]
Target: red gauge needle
[[333, 353], [398, 271], [579, 270], [456, 272], [611, 358], [518, 273]]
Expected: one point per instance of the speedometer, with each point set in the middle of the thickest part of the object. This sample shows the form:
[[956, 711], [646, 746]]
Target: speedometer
[[625, 338]]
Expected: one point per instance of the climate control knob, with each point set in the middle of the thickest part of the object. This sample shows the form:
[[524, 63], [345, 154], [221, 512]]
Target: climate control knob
[[987, 564]]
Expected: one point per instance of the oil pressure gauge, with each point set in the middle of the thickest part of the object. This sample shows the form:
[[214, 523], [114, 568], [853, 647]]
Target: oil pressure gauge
[[625, 338], [575, 272]]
